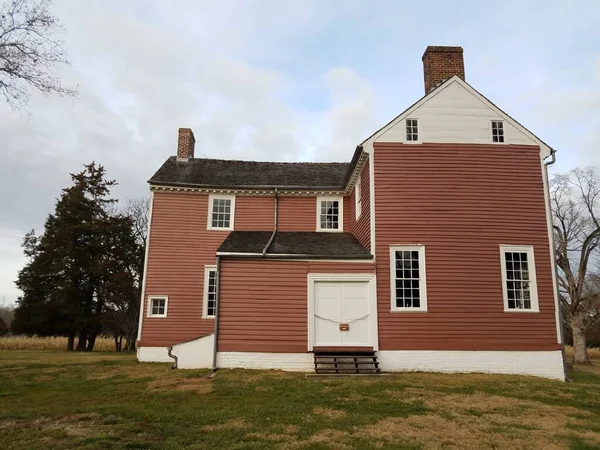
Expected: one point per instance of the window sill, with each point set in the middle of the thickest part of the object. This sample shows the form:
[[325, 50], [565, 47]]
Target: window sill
[[219, 229], [208, 317], [155, 316], [330, 231], [408, 310], [521, 311]]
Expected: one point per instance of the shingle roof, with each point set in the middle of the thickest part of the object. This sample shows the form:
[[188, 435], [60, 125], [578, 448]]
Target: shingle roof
[[296, 244], [251, 174]]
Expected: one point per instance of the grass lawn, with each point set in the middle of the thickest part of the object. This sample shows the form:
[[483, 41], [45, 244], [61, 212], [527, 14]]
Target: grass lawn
[[107, 401]]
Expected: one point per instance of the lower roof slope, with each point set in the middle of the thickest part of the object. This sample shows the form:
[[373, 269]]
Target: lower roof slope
[[251, 174], [294, 245]]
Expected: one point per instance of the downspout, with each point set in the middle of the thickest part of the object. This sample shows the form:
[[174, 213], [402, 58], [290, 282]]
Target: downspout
[[264, 252], [553, 255], [171, 355], [217, 298], [553, 160]]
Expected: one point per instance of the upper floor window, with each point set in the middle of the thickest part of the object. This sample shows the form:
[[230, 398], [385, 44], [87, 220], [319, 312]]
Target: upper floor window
[[329, 214], [221, 209], [497, 131], [412, 130], [518, 278], [157, 306], [358, 197], [209, 305], [407, 276]]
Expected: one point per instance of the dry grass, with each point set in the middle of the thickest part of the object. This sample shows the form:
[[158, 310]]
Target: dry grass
[[593, 352], [103, 344]]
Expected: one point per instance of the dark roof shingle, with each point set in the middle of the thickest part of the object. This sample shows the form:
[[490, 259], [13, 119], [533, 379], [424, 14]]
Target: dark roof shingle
[[313, 244], [251, 174]]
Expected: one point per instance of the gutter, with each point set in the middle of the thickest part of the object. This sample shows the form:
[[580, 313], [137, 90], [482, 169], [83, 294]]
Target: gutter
[[366, 258], [217, 295], [270, 241]]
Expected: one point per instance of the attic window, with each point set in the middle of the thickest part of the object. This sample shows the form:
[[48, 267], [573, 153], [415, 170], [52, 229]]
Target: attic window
[[412, 130], [329, 214], [497, 131]]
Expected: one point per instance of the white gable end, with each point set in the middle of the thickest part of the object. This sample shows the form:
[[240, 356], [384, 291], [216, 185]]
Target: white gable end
[[456, 113]]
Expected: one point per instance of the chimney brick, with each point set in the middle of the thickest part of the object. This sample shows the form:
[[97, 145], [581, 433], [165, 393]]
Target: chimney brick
[[185, 144], [441, 64]]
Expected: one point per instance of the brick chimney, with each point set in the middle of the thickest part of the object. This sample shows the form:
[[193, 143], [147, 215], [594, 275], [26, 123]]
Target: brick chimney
[[185, 144], [441, 64]]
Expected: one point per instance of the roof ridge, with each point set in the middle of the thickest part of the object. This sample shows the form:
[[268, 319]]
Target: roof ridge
[[266, 162]]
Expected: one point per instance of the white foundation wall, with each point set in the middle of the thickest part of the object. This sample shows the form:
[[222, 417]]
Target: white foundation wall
[[295, 362], [196, 354], [153, 354], [547, 364]]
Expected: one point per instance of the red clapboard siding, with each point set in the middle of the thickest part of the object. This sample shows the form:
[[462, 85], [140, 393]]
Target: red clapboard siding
[[264, 303], [462, 201], [297, 214], [180, 247], [360, 228]]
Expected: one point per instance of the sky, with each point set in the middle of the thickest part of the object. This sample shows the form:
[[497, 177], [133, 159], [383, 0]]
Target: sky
[[281, 80]]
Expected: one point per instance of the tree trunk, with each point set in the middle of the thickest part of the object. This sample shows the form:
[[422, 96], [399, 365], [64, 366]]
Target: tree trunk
[[71, 342], [82, 341], [580, 354], [91, 342]]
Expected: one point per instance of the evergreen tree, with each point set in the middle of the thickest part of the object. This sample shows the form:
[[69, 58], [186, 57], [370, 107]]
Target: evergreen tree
[[77, 265]]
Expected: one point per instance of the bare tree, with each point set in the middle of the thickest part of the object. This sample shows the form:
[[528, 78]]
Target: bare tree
[[122, 315], [575, 199], [29, 50]]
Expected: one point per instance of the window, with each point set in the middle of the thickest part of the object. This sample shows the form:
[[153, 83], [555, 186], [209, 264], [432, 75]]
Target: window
[[329, 214], [221, 211], [209, 306], [412, 130], [358, 197], [518, 278], [497, 131], [407, 276], [157, 306]]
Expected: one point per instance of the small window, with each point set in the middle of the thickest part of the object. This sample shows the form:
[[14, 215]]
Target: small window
[[358, 197], [497, 131], [407, 275], [157, 306], [412, 130], [329, 214], [209, 306], [221, 212], [518, 278]]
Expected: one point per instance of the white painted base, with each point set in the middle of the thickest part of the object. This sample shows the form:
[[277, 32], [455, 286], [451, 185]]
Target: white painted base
[[295, 362], [153, 354], [196, 354], [547, 364]]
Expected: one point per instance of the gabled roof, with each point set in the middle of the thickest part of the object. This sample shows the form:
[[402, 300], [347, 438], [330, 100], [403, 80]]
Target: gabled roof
[[294, 245], [203, 172], [473, 91]]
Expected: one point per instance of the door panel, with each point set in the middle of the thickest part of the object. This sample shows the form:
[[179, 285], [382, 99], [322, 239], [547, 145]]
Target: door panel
[[355, 312], [328, 313], [338, 303]]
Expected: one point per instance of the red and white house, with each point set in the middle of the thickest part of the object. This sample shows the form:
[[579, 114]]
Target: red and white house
[[431, 248]]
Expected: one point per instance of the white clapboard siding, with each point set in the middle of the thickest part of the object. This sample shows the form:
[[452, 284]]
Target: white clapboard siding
[[455, 114]]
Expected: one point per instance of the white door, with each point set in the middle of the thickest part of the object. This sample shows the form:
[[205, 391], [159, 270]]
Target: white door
[[342, 314]]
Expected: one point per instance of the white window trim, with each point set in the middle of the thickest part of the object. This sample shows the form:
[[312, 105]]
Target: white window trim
[[422, 280], [157, 297], [358, 197], [503, 131], [340, 200], [418, 141], [207, 270], [213, 197], [535, 307]]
